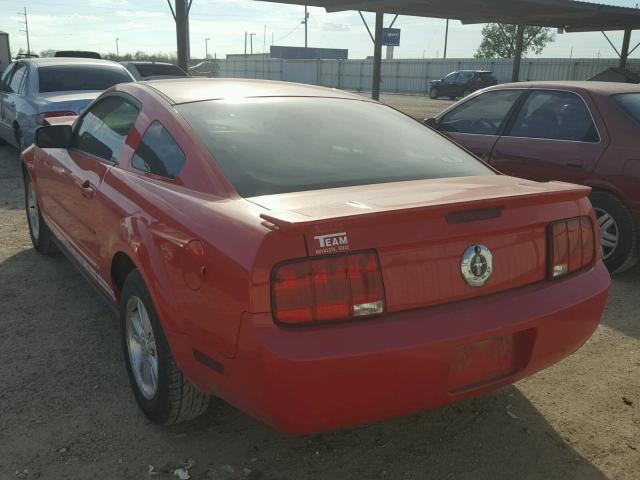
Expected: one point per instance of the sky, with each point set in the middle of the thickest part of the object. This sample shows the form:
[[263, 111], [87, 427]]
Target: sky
[[147, 25]]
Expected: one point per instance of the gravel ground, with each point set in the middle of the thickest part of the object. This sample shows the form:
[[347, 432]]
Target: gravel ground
[[66, 410]]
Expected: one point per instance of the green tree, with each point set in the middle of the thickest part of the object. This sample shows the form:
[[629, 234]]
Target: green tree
[[499, 41]]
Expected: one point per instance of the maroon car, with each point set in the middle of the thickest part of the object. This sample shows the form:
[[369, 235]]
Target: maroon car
[[579, 132]]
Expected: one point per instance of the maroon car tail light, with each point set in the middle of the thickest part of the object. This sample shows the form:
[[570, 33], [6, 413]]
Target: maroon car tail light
[[571, 245], [328, 289], [43, 116]]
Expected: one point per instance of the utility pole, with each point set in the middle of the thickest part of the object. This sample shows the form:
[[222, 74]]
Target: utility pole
[[251, 35], [117, 49], [181, 17], [305, 22], [245, 41], [26, 29], [446, 39], [206, 48]]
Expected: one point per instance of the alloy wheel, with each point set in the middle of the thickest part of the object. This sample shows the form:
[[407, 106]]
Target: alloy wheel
[[33, 212], [141, 345], [609, 232]]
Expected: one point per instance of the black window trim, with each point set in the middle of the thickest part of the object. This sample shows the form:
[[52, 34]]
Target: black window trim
[[175, 180], [131, 99], [543, 89], [509, 117]]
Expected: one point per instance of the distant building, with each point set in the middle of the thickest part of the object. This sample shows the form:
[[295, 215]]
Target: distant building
[[301, 53], [618, 75]]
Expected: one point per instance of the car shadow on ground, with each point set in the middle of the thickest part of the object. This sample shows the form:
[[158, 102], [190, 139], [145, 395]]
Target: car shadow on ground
[[71, 413]]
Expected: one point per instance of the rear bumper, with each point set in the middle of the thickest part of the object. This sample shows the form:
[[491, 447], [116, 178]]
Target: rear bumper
[[316, 379]]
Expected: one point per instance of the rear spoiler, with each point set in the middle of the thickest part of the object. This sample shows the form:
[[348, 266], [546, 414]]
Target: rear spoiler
[[288, 220]]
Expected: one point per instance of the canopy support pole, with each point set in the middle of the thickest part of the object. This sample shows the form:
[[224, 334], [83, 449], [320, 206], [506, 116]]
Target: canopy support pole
[[624, 53], [377, 57], [517, 56]]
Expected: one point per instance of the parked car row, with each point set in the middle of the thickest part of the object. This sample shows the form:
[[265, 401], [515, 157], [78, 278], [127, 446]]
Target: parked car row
[[33, 89], [579, 132]]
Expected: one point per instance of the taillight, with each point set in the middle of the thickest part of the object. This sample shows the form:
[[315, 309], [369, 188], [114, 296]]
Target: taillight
[[43, 116], [328, 289], [571, 245]]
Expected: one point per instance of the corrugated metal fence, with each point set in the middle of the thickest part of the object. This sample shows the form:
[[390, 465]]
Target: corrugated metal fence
[[407, 76]]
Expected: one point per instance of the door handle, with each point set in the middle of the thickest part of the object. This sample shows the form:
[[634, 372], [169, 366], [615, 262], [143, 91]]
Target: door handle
[[87, 189]]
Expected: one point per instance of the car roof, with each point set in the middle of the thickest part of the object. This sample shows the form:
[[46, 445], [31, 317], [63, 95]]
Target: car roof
[[597, 88], [46, 61], [187, 90]]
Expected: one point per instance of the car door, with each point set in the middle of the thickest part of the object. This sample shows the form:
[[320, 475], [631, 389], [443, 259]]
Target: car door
[[477, 123], [463, 82], [553, 136], [15, 88], [448, 84], [4, 81], [9, 84], [76, 174]]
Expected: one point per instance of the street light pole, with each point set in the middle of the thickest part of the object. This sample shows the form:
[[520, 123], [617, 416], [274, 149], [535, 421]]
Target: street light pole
[[306, 27], [206, 48], [446, 39], [117, 49], [252, 35]]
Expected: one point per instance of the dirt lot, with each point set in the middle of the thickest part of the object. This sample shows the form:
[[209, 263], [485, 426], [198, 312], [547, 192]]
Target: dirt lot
[[66, 410]]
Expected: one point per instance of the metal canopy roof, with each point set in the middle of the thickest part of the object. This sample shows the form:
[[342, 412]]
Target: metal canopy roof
[[572, 16]]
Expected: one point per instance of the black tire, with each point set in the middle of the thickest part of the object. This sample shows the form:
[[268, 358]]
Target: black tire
[[452, 98], [175, 399], [434, 93], [41, 237], [625, 255]]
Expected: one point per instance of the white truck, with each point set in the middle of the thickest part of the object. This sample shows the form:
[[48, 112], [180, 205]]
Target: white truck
[[5, 51]]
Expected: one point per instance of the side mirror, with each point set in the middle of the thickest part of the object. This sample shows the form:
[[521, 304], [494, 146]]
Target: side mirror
[[54, 136], [431, 123]]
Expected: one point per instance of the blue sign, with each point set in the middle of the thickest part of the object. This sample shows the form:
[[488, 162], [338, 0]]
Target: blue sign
[[391, 37]]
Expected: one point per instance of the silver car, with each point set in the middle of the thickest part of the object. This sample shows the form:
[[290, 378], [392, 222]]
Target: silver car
[[36, 88]]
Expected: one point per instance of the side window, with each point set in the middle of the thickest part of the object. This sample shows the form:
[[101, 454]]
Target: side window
[[556, 116], [451, 78], [159, 153], [482, 115], [464, 78], [4, 82], [16, 79], [103, 130]]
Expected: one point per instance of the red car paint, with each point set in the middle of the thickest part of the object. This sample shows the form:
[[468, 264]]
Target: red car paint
[[207, 256]]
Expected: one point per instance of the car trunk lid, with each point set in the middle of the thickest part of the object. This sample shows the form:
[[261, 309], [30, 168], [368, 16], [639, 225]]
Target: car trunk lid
[[421, 230]]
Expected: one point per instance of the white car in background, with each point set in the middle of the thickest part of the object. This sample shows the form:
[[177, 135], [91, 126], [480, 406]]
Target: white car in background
[[33, 89]]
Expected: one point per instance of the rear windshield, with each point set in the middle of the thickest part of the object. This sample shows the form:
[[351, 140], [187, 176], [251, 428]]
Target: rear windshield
[[630, 103], [67, 78], [153, 70], [279, 145]]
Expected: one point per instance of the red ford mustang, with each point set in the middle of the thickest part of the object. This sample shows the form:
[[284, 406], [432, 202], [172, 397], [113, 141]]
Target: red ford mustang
[[315, 258]]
